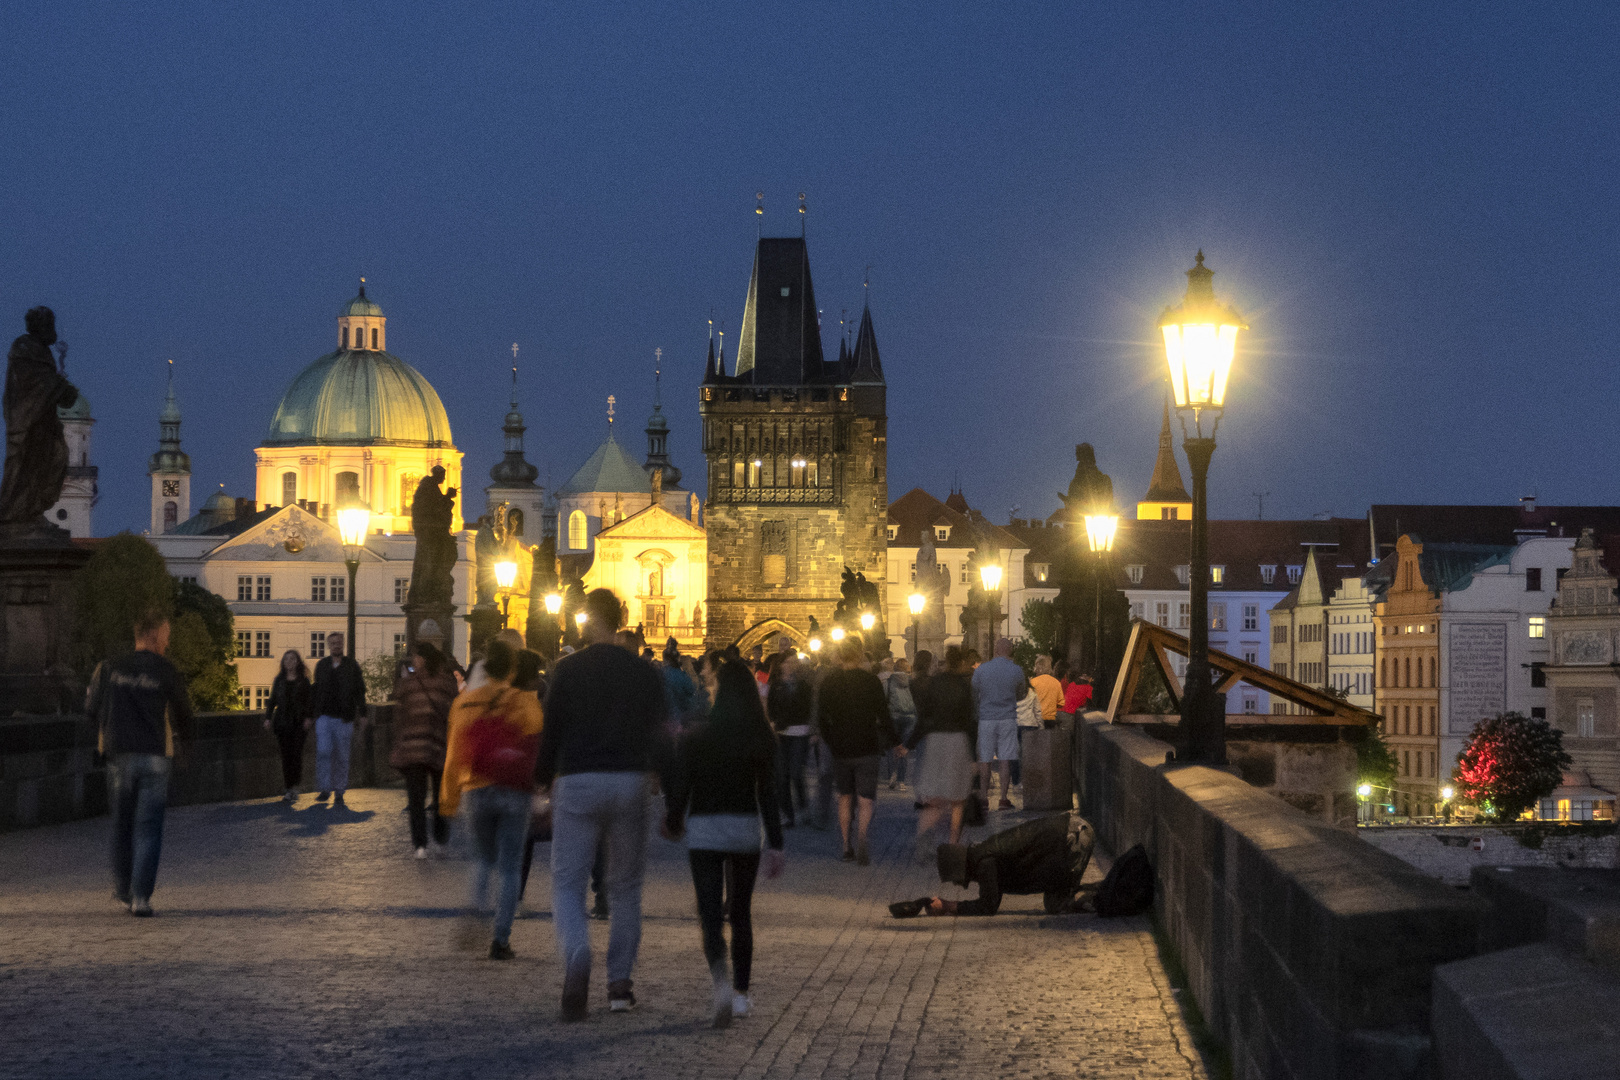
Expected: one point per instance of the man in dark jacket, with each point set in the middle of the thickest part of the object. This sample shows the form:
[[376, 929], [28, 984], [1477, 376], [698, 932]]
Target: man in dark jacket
[[605, 738], [852, 718], [1046, 856], [139, 701], [789, 698], [338, 700]]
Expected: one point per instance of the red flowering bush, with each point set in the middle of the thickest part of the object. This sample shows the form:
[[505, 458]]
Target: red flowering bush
[[1509, 762]]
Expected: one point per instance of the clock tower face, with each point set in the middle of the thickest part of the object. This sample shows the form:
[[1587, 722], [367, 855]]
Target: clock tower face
[[171, 489]]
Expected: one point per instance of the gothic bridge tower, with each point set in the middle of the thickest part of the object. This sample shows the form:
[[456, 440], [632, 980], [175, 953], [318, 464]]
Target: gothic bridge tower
[[797, 453]]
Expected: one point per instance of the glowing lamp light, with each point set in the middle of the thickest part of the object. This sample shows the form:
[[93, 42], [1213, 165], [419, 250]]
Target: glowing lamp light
[[990, 574], [579, 620], [815, 645], [916, 601], [1100, 532], [1200, 339], [353, 524], [1447, 792], [838, 633], [1365, 791], [505, 573], [867, 620], [553, 603]]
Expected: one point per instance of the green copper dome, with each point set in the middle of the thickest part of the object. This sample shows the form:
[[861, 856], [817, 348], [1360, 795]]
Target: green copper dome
[[359, 398], [361, 305]]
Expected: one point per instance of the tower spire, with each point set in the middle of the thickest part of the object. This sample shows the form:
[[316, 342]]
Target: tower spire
[[514, 470], [1166, 485], [514, 376], [759, 211], [659, 470], [801, 215]]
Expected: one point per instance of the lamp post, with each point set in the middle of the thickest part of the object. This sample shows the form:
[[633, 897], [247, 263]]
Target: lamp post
[[505, 577], [354, 522], [990, 576], [1100, 527], [915, 601], [1200, 339]]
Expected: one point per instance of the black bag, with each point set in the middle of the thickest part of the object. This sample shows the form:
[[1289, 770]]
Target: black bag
[[1128, 888], [972, 810]]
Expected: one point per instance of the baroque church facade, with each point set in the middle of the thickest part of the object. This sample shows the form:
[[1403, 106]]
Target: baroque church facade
[[797, 457]]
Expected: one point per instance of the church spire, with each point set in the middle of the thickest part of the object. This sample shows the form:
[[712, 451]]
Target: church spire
[[1166, 495], [657, 465], [513, 470], [169, 468], [868, 368]]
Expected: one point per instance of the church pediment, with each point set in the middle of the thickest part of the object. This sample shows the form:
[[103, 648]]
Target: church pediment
[[292, 535], [653, 523]]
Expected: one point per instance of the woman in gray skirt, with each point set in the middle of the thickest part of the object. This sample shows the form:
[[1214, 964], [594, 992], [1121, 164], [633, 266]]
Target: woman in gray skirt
[[947, 729]]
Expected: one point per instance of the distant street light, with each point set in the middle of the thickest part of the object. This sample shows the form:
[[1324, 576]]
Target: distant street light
[[815, 645], [915, 601], [837, 634], [354, 522], [1200, 340], [990, 576], [867, 620], [1100, 527], [505, 578], [579, 619]]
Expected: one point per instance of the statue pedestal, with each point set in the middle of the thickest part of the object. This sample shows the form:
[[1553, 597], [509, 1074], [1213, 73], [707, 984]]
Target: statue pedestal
[[483, 622], [37, 568], [418, 613]]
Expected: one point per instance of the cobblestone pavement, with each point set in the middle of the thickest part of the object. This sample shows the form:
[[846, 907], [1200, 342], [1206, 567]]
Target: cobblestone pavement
[[306, 942]]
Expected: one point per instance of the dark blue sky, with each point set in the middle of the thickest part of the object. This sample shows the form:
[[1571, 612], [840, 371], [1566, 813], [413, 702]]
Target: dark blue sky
[[1414, 205]]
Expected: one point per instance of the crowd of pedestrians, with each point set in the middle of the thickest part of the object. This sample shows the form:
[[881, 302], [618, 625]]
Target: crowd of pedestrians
[[576, 756]]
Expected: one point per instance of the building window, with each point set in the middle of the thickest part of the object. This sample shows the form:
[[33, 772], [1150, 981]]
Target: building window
[[1184, 616], [407, 491], [1136, 610], [942, 532], [1217, 575], [338, 587], [1538, 676], [894, 530], [1532, 579], [374, 333], [244, 643], [399, 644], [964, 573], [1217, 616], [1161, 612], [347, 489], [261, 697], [1538, 626], [244, 697], [317, 589], [289, 488], [262, 591], [402, 589], [317, 644], [1251, 616], [737, 475], [261, 643], [576, 530], [1184, 574], [1585, 724], [187, 580], [1250, 706], [1279, 634], [1169, 513], [1267, 572], [1042, 570], [1134, 573], [1251, 654], [1294, 574], [244, 588]]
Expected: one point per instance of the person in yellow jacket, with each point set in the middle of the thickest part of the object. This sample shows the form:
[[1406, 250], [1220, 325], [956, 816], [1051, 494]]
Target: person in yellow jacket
[[494, 738]]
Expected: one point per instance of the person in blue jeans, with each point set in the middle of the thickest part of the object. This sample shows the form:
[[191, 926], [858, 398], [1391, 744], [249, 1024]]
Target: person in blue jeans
[[139, 700], [338, 699]]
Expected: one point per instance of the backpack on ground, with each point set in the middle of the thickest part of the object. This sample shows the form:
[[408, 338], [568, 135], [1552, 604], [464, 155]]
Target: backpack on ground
[[500, 750], [1128, 888]]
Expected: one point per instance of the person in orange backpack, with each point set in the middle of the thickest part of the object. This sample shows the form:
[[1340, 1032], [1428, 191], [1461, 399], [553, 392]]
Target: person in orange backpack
[[494, 740]]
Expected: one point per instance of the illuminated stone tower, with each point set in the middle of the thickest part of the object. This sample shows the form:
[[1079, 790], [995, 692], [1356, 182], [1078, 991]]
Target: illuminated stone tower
[[797, 456]]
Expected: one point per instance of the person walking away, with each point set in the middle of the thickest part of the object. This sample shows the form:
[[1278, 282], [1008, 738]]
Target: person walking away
[[604, 741], [285, 716], [1048, 691], [946, 732], [724, 786], [903, 712], [852, 718], [679, 688], [494, 742], [141, 702], [424, 693], [787, 704], [338, 701], [997, 685]]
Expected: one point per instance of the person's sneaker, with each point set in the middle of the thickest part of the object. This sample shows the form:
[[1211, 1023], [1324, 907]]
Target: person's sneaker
[[421, 853], [600, 910], [849, 855], [741, 1005], [323, 796], [500, 950], [289, 796], [576, 996], [722, 1011], [122, 901], [338, 803], [1004, 804], [141, 906], [620, 996], [862, 856]]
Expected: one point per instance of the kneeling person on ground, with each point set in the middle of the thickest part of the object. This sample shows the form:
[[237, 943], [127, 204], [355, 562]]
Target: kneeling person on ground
[[1046, 856]]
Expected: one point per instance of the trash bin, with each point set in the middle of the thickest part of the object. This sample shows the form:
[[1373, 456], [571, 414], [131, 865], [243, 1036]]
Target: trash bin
[[1048, 783]]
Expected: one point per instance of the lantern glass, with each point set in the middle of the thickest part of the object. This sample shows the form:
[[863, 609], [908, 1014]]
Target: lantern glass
[[353, 524], [505, 573], [815, 645], [553, 603], [990, 574], [579, 619], [1200, 358], [868, 620], [838, 633], [1100, 532], [915, 601]]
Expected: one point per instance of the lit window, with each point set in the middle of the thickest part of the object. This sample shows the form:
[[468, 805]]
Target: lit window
[[942, 532], [1217, 575], [402, 589], [1041, 571], [576, 530], [1134, 573], [1217, 616], [399, 644], [1538, 626], [1267, 572]]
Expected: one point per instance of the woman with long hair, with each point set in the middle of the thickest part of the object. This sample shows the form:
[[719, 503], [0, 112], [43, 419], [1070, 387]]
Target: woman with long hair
[[725, 785], [947, 730], [424, 692], [284, 717]]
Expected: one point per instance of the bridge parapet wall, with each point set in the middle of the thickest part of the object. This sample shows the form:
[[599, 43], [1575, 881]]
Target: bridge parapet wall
[[1310, 952]]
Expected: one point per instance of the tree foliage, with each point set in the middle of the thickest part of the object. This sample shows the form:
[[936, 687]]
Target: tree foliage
[[1375, 761], [379, 672], [1040, 621], [124, 579], [202, 644], [1508, 763]]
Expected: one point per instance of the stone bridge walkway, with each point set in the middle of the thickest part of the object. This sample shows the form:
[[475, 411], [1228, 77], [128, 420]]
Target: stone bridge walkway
[[307, 943]]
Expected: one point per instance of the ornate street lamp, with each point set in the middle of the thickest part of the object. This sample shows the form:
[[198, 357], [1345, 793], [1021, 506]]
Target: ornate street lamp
[[354, 522], [915, 601], [837, 634], [867, 620], [815, 646], [1200, 340], [990, 576], [1100, 527], [505, 578]]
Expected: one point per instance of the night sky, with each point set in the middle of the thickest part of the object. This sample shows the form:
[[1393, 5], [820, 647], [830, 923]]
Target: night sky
[[1415, 206]]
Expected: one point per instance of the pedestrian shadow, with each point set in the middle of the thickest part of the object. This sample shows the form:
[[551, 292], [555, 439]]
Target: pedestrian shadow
[[248, 813], [316, 819]]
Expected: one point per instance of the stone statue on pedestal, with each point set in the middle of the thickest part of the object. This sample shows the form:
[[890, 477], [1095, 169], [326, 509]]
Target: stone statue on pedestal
[[934, 583], [432, 585], [36, 453]]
